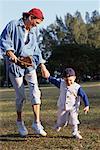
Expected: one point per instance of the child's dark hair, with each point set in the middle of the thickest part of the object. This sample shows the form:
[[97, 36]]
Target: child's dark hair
[[68, 72]]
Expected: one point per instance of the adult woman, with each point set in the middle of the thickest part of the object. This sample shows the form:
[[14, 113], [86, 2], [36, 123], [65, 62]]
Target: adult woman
[[18, 39]]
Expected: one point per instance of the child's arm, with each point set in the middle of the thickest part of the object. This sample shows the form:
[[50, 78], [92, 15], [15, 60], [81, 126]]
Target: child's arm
[[83, 95], [55, 81]]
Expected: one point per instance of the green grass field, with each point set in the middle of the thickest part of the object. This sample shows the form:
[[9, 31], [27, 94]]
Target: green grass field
[[89, 127]]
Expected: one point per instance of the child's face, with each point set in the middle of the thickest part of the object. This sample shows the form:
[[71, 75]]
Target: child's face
[[70, 80]]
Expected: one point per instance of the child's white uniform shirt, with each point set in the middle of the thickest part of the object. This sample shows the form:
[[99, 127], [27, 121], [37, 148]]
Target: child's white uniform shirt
[[68, 98]]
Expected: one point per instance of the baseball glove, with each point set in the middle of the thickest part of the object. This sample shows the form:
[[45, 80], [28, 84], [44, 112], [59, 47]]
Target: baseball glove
[[24, 62]]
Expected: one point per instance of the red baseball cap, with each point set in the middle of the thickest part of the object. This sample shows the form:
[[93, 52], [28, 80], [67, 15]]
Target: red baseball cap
[[36, 12]]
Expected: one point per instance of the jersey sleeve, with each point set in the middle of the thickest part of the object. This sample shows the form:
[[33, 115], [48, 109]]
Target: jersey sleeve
[[83, 95], [55, 81]]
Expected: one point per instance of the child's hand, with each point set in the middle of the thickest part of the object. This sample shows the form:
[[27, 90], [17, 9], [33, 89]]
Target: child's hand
[[86, 109]]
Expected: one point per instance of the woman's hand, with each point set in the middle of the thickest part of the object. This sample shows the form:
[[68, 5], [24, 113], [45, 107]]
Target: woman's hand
[[13, 57], [44, 71]]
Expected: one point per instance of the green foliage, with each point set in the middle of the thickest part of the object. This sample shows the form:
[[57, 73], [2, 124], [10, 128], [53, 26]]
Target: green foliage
[[2, 72], [73, 42]]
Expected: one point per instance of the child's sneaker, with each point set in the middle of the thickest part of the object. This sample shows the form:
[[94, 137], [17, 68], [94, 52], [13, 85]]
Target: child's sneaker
[[39, 129], [21, 128], [57, 128], [77, 135]]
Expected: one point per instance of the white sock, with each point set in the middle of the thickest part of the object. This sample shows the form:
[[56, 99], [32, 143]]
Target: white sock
[[75, 128]]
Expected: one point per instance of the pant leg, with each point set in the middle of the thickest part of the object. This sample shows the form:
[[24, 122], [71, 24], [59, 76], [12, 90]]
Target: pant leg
[[33, 87], [19, 90], [62, 117], [73, 117]]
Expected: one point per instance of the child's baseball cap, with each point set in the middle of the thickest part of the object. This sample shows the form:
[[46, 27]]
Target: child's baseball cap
[[68, 72], [35, 12]]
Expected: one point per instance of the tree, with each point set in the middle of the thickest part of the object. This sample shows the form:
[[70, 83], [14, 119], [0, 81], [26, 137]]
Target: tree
[[73, 42]]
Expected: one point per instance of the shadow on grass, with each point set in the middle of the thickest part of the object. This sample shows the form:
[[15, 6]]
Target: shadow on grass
[[61, 136], [49, 136], [12, 137], [18, 138]]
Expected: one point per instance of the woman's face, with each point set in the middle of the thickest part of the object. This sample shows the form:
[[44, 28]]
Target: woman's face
[[34, 21]]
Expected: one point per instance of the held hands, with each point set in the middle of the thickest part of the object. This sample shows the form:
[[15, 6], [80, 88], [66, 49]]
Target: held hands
[[44, 71], [86, 109]]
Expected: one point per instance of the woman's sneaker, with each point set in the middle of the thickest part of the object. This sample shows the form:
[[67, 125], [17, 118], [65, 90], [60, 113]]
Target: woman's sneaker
[[77, 135], [39, 129], [21, 128]]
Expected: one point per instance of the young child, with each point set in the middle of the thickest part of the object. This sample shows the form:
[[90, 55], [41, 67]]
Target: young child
[[69, 101]]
